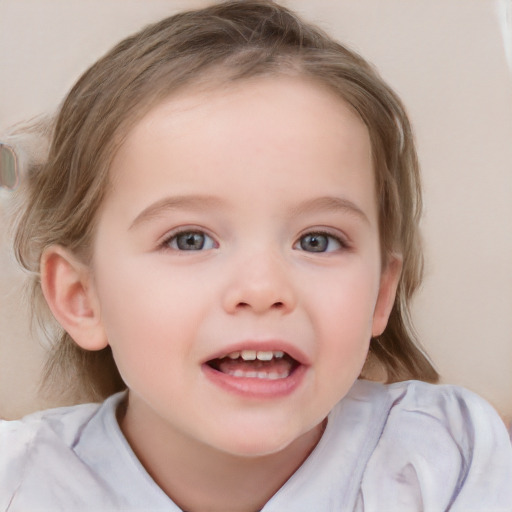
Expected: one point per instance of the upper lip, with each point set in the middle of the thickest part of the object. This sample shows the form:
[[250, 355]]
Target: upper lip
[[266, 345]]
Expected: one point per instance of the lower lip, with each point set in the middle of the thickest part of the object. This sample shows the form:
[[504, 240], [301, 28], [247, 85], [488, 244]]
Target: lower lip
[[252, 387]]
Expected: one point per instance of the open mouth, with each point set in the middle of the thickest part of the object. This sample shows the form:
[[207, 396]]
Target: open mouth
[[256, 364]]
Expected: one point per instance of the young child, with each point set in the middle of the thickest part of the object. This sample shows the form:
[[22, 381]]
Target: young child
[[226, 228]]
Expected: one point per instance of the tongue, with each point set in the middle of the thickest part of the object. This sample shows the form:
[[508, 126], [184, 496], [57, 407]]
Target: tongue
[[280, 366]]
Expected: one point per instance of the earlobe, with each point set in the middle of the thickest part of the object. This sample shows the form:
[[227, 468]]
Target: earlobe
[[390, 277], [69, 292]]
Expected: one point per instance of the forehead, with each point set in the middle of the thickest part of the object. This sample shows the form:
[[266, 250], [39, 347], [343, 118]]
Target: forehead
[[289, 127]]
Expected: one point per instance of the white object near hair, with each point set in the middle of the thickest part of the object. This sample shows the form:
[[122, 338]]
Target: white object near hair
[[8, 167], [504, 12]]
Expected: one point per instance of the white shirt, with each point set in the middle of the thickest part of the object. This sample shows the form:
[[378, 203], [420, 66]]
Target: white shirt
[[405, 447]]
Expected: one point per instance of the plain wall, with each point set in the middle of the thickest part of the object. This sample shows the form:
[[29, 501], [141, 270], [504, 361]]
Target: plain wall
[[448, 61]]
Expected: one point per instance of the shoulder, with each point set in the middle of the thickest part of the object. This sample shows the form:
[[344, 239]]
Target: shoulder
[[73, 458], [441, 446], [452, 408], [61, 425], [60, 420], [38, 444]]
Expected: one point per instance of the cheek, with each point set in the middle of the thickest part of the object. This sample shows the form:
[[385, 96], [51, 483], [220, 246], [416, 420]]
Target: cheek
[[143, 308], [151, 310], [140, 288], [343, 320], [345, 301]]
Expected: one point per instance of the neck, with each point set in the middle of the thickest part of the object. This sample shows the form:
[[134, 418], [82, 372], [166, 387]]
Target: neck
[[198, 477]]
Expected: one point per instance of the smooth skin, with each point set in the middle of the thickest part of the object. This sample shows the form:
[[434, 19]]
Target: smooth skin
[[242, 215]]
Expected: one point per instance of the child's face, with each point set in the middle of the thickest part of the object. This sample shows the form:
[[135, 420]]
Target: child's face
[[242, 219]]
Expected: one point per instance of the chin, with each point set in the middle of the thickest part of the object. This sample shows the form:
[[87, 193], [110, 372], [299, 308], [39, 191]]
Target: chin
[[255, 450], [254, 442]]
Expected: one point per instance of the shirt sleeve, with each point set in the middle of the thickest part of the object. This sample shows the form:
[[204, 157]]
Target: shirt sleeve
[[442, 448]]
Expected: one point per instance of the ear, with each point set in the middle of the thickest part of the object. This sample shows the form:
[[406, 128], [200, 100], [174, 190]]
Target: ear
[[68, 289], [390, 277]]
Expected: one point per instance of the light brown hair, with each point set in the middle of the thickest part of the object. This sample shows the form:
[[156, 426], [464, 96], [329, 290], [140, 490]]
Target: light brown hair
[[213, 46]]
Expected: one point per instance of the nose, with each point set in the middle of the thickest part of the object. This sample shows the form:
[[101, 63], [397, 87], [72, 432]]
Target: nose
[[260, 283]]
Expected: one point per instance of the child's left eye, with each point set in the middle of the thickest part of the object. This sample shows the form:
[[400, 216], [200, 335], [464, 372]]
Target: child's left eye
[[319, 242], [190, 241]]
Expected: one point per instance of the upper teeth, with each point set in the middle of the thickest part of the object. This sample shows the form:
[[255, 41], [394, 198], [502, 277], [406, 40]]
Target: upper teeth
[[261, 355]]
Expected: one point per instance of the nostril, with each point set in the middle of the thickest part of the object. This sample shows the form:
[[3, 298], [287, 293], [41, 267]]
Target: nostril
[[276, 305]]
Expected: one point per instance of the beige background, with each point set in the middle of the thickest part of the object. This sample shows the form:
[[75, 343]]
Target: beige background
[[447, 59]]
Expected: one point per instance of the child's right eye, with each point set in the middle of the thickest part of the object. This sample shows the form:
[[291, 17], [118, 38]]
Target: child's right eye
[[190, 241]]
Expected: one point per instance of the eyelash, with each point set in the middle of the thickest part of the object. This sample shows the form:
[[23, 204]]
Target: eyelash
[[341, 243], [173, 239]]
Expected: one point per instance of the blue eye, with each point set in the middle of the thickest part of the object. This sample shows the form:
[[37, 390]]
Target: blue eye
[[190, 241], [319, 242]]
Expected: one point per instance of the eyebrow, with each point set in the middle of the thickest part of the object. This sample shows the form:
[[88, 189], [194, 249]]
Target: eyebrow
[[166, 204], [200, 202], [331, 203]]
